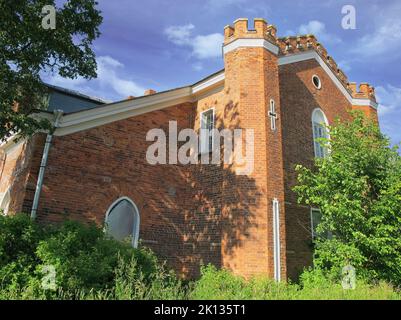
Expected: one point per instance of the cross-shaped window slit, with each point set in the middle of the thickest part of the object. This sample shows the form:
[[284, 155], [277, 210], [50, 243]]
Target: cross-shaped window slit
[[272, 115]]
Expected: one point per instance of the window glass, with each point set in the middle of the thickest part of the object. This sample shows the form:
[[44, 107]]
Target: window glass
[[207, 125], [319, 123], [122, 221]]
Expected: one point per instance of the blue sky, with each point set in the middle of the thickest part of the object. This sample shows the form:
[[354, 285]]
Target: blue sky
[[167, 44]]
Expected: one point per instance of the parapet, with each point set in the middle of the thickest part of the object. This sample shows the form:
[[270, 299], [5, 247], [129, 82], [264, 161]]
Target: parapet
[[366, 91], [302, 43], [240, 30], [293, 45]]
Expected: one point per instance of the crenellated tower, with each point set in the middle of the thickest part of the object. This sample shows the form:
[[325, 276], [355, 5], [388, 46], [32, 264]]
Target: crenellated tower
[[252, 81]]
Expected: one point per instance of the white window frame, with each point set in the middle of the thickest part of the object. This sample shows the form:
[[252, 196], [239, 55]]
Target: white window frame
[[320, 82], [202, 145], [314, 133], [276, 239], [137, 219]]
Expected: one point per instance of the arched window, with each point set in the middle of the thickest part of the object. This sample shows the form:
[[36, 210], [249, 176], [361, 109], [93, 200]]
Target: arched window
[[5, 202], [122, 220], [319, 125]]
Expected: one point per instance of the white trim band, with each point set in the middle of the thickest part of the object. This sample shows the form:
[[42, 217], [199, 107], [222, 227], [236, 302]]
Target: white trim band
[[250, 43]]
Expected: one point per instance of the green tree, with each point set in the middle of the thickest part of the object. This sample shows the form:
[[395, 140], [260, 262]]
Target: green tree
[[358, 189], [27, 49]]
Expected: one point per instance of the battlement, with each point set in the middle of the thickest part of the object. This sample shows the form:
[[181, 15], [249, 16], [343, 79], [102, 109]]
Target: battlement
[[240, 30], [366, 91], [302, 43], [293, 45]]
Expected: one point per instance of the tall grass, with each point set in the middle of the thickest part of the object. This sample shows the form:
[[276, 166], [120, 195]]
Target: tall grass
[[89, 266], [314, 285]]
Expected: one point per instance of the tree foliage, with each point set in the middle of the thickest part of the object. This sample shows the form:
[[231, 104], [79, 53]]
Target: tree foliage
[[27, 50], [358, 189]]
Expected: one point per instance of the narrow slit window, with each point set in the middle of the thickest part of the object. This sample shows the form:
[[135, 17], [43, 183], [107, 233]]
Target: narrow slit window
[[207, 126], [272, 115]]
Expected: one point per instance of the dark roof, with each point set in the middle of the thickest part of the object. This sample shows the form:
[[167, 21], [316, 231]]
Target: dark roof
[[77, 94], [70, 100]]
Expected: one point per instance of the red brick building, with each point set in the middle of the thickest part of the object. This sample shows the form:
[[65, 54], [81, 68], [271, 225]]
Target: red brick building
[[94, 166]]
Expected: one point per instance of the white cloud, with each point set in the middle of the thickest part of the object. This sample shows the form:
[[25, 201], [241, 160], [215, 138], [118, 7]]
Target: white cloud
[[385, 38], [208, 46], [389, 98], [314, 27], [109, 84], [203, 46], [108, 76], [318, 29], [180, 35]]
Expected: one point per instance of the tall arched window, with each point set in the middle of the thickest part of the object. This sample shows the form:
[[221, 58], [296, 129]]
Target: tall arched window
[[122, 220], [319, 123], [5, 202]]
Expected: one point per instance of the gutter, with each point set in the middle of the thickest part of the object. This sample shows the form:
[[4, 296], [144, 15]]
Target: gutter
[[57, 116]]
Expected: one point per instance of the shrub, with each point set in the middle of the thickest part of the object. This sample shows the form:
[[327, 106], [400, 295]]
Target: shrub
[[358, 190], [19, 237], [84, 259], [82, 256], [88, 265]]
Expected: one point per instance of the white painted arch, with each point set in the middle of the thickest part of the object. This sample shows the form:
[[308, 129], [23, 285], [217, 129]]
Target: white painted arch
[[136, 218], [320, 119]]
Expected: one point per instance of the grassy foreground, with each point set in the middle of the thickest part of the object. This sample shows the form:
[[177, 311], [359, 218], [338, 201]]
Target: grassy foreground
[[79, 262]]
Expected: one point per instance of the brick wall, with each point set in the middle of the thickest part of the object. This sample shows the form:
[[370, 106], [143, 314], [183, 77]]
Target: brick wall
[[15, 167], [251, 78], [299, 98], [196, 214]]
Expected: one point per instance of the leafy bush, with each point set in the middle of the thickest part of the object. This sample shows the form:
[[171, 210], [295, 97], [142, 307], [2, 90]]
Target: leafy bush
[[91, 266], [84, 259], [358, 189], [19, 237]]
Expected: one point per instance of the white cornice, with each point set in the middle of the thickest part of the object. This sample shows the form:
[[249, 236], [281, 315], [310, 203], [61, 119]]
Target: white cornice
[[364, 102], [101, 115], [87, 119], [250, 43], [207, 84]]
